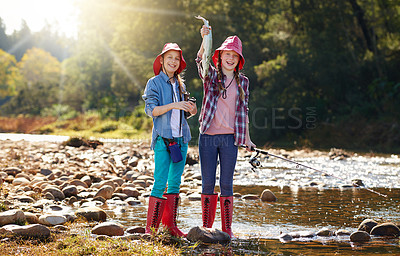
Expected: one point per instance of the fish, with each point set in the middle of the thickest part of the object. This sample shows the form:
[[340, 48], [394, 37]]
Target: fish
[[207, 45]]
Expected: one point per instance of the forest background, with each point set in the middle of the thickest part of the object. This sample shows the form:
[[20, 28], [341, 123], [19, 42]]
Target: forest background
[[322, 73]]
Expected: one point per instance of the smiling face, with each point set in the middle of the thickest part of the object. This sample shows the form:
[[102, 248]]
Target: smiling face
[[229, 61], [170, 62]]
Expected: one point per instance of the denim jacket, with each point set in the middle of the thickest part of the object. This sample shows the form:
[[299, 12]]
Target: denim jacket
[[158, 92]]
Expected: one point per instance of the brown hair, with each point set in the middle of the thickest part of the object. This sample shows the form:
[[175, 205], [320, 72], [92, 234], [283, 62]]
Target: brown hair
[[235, 73]]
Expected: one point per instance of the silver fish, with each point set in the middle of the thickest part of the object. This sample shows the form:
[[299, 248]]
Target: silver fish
[[207, 45]]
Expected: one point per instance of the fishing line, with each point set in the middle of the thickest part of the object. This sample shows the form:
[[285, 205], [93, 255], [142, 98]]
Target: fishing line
[[255, 164]]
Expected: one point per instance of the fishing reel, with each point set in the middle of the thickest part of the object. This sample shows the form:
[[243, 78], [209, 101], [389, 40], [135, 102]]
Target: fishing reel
[[255, 163]]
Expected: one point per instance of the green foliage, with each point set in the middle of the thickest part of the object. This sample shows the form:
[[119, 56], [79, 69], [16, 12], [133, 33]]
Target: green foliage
[[62, 112]]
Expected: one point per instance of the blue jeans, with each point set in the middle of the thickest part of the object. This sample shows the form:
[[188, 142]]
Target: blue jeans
[[166, 170], [212, 147]]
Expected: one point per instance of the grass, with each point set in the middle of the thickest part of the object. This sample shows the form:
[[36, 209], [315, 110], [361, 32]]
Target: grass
[[60, 244]]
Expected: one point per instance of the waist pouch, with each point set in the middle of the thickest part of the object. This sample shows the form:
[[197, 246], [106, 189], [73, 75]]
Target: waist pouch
[[174, 150]]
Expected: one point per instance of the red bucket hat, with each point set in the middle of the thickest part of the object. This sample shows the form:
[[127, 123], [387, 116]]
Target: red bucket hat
[[232, 43], [167, 47]]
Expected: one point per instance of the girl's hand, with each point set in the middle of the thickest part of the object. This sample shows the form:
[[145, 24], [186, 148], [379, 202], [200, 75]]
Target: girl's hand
[[205, 31], [184, 105], [193, 110], [250, 146]]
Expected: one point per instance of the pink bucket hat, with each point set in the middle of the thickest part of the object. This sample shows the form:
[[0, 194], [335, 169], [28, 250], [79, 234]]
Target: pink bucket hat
[[231, 43], [167, 47]]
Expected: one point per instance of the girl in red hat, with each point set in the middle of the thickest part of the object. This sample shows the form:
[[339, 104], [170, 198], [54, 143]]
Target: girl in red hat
[[223, 126], [165, 103]]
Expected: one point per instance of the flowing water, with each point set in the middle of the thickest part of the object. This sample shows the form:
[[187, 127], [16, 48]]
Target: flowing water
[[308, 200]]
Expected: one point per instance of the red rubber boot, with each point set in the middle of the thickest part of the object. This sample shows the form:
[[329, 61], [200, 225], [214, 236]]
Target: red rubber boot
[[170, 215], [208, 209], [154, 213], [226, 203]]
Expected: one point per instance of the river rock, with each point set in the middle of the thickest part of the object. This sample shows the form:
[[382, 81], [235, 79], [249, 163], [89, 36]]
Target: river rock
[[56, 192], [304, 234], [325, 232], [86, 179], [108, 229], [268, 196], [11, 217], [46, 172], [33, 230], [92, 213], [342, 232], [31, 218], [131, 192], [52, 220], [194, 197], [26, 199], [360, 236], [105, 192], [250, 197], [367, 225], [132, 201], [285, 238], [386, 229], [136, 230], [208, 235], [13, 171], [79, 183], [21, 181], [70, 191]]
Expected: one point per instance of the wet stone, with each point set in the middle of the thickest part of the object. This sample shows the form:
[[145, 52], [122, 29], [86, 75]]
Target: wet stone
[[268, 196], [360, 236], [52, 220], [386, 229], [342, 232], [250, 197], [46, 172], [208, 235], [92, 213], [285, 238], [367, 225], [325, 232]]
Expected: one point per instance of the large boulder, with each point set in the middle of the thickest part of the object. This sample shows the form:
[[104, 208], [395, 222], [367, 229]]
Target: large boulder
[[105, 192]]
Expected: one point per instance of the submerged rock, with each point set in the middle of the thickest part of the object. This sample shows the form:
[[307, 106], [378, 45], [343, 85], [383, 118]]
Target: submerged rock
[[208, 235]]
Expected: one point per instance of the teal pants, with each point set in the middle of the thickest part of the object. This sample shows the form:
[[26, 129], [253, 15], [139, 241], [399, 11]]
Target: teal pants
[[166, 170]]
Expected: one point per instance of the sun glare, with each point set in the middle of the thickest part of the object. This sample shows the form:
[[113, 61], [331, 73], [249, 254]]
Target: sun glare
[[60, 14]]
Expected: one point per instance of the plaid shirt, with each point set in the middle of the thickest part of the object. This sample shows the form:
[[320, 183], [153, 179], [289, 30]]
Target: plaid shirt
[[210, 99]]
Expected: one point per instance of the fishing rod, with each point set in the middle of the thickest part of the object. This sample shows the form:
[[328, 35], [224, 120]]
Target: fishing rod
[[256, 163]]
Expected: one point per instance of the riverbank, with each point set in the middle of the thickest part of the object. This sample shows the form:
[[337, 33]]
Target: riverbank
[[54, 182]]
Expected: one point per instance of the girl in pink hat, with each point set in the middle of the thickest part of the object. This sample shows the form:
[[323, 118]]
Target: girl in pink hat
[[165, 103], [223, 127]]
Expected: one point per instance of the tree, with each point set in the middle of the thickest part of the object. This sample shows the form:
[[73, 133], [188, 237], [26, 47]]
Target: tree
[[7, 64]]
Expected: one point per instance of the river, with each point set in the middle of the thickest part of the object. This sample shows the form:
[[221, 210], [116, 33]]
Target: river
[[308, 200]]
